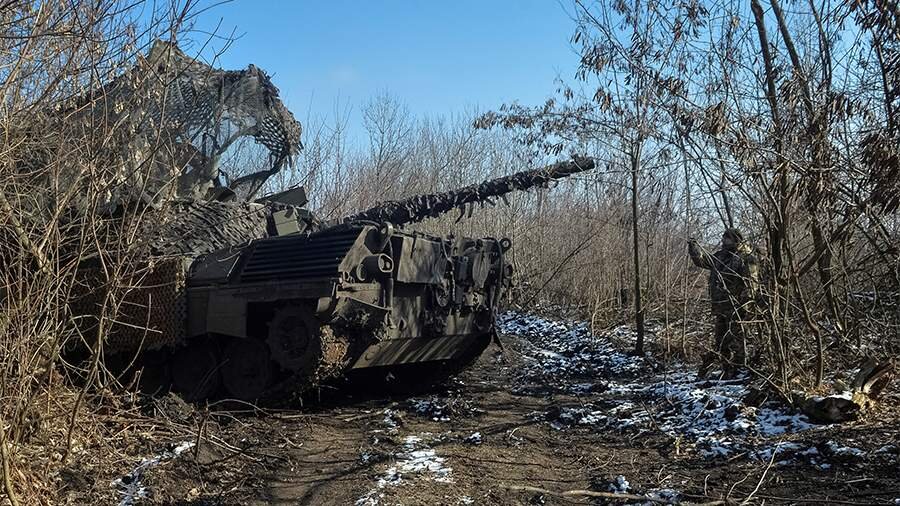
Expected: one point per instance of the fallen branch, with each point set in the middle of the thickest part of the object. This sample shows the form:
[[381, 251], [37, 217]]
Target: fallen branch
[[377, 412], [814, 500], [594, 493], [761, 478], [868, 385]]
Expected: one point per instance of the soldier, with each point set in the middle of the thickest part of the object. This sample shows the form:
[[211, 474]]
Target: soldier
[[733, 287]]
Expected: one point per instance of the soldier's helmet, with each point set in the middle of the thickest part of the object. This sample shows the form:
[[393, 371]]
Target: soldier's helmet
[[734, 234]]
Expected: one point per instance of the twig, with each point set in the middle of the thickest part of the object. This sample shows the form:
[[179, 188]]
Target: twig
[[591, 493], [652, 418], [7, 480], [815, 500], [374, 413], [761, 478], [200, 435]]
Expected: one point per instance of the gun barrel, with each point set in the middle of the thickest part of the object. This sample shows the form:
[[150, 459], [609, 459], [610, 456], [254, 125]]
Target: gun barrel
[[419, 207]]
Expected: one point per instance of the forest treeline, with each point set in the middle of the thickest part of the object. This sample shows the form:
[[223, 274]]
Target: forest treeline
[[781, 120], [702, 116]]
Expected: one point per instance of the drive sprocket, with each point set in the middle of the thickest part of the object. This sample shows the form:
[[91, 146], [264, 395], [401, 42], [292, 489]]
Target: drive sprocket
[[293, 338], [302, 345]]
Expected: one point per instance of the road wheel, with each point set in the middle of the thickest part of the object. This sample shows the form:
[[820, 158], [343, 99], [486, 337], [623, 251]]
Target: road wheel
[[195, 370], [246, 369]]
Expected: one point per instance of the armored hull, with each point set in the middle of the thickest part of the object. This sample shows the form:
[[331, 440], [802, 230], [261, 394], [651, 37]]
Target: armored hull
[[261, 300], [282, 314]]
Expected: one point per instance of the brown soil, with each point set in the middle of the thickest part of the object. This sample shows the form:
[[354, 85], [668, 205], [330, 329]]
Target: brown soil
[[336, 453]]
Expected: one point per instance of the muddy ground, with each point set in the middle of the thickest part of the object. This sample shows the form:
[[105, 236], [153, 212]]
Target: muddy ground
[[559, 416]]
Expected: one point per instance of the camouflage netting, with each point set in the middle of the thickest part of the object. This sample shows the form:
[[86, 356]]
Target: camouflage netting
[[142, 155], [419, 207], [193, 228], [153, 314], [182, 116]]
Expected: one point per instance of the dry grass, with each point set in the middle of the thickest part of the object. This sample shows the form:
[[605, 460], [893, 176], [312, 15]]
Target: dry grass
[[63, 160]]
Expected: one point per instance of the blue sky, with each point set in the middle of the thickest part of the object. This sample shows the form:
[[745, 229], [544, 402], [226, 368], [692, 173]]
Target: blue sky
[[439, 58]]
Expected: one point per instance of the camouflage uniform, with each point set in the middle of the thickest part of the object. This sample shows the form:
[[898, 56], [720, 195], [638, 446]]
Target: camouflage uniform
[[733, 288]]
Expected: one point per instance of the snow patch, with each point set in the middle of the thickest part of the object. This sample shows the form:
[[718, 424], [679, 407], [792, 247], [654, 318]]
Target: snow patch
[[567, 358], [562, 353], [391, 422], [415, 460], [130, 486], [619, 485], [430, 408], [664, 494], [843, 451]]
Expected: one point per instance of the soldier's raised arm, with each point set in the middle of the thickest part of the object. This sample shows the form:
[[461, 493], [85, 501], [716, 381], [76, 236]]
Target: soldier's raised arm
[[700, 257]]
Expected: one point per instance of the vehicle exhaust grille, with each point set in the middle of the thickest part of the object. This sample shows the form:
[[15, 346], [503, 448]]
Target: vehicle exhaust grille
[[298, 256]]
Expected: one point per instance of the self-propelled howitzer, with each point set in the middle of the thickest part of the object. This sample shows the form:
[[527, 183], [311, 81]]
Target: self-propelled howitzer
[[310, 301]]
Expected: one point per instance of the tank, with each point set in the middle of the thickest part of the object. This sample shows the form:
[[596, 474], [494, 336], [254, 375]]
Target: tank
[[247, 297], [312, 301], [283, 314]]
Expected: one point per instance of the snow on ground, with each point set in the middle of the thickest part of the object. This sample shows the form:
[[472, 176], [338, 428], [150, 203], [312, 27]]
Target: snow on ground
[[473, 438], [416, 460], [391, 422], [620, 485], [665, 494], [615, 393], [430, 408], [442, 408], [565, 352], [130, 486]]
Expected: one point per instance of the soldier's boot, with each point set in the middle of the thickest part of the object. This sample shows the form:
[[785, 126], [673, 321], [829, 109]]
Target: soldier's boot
[[705, 364], [729, 366], [730, 371]]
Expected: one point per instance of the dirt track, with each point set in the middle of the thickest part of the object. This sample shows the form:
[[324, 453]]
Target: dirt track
[[553, 413]]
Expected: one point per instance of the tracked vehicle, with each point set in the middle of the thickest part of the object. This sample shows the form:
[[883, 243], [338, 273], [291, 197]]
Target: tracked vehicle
[[302, 308], [309, 302], [245, 297]]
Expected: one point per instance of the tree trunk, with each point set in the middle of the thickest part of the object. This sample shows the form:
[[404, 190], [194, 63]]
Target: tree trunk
[[687, 231], [638, 308], [666, 286]]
